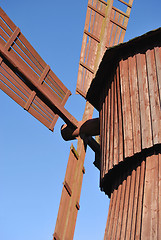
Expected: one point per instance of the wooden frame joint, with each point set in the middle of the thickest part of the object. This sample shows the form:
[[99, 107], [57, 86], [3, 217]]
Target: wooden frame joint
[[29, 101], [44, 74], [92, 36], [55, 236], [74, 151], [77, 205], [12, 38], [127, 4], [66, 185], [96, 10], [118, 24], [86, 67]]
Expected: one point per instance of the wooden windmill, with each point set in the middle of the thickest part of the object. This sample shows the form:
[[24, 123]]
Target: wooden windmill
[[27, 79]]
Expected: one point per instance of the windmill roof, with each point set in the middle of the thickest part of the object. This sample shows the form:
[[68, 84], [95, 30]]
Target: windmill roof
[[112, 57]]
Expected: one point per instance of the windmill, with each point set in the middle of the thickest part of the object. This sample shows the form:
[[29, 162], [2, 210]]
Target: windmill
[[82, 65]]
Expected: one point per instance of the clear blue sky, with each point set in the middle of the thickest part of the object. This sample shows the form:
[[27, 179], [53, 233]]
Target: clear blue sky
[[32, 159]]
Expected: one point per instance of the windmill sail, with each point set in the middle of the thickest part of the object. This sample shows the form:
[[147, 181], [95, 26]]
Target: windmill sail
[[15, 48], [105, 26]]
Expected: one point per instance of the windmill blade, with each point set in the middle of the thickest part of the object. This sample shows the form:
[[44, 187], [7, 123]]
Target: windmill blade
[[105, 26], [27, 79]]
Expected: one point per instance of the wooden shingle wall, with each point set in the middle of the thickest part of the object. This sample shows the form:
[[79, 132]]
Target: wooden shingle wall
[[130, 114]]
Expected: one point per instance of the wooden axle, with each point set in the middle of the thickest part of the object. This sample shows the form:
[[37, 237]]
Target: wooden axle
[[90, 127]]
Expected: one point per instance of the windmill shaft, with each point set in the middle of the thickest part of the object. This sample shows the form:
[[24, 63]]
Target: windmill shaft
[[90, 127]]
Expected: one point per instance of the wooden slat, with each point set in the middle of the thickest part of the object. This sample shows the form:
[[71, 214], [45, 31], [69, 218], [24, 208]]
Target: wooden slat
[[140, 201], [127, 4], [116, 124], [12, 38], [157, 51], [108, 129], [5, 27], [145, 114], [154, 97], [29, 101], [111, 140], [4, 36], [135, 105], [32, 50], [86, 67], [29, 55], [96, 10], [117, 208], [121, 12], [118, 24], [120, 218], [126, 206], [7, 20], [159, 194], [135, 206], [120, 115], [114, 29], [131, 205], [23, 58], [150, 207], [7, 80], [58, 84], [126, 108], [109, 217], [10, 93]]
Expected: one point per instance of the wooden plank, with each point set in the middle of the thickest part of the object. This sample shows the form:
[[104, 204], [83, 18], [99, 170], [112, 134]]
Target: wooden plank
[[23, 58], [157, 52], [14, 79], [116, 124], [114, 28], [146, 130], [10, 93], [127, 4], [150, 208], [131, 205], [5, 28], [7, 20], [135, 106], [135, 204], [159, 195], [104, 132], [121, 12], [11, 86], [128, 11], [140, 202], [126, 108], [117, 209], [118, 24], [119, 30], [96, 10], [154, 96], [111, 140], [109, 216], [58, 84], [12, 38], [126, 205], [120, 218], [108, 128], [32, 50], [120, 120], [113, 212], [4, 36], [29, 54]]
